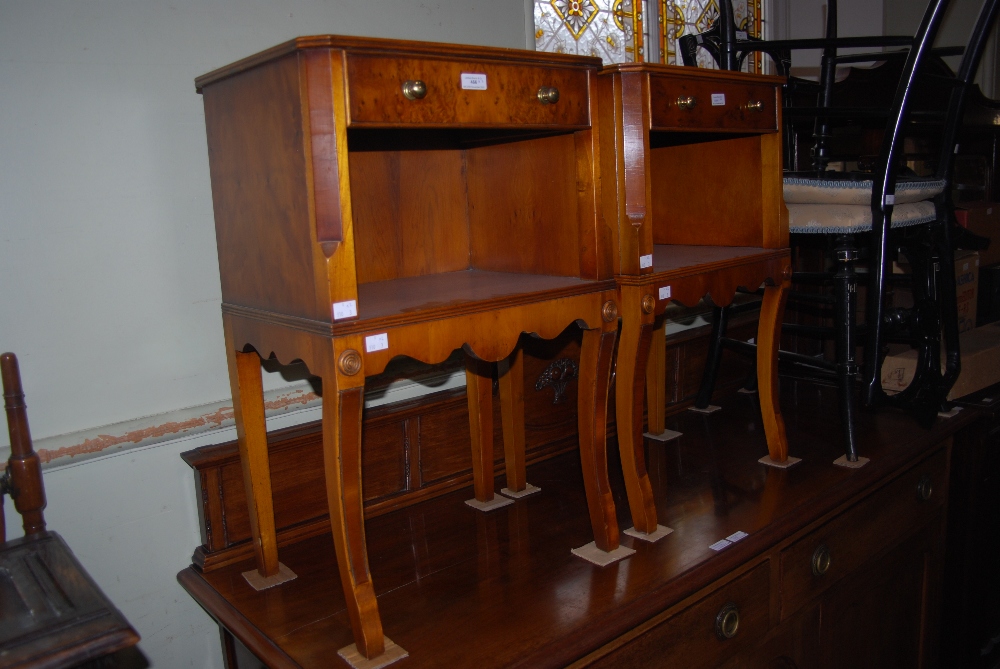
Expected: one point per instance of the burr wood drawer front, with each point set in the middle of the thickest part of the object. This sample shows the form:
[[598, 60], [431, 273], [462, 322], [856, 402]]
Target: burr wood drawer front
[[385, 90], [814, 563], [732, 618], [711, 105]]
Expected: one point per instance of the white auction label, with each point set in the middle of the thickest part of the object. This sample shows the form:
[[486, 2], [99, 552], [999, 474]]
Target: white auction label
[[378, 342], [718, 99], [473, 81], [348, 309], [736, 536], [720, 544], [664, 292], [741, 34], [646, 261]]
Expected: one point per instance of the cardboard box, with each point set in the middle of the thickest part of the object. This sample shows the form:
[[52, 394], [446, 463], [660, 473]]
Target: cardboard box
[[980, 363], [983, 218], [966, 288], [966, 285]]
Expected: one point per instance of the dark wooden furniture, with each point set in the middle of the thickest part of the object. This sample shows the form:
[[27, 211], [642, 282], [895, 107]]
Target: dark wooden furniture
[[377, 198], [972, 580], [839, 568], [52, 614], [691, 166]]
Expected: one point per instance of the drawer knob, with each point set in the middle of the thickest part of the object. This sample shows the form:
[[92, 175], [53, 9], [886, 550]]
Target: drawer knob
[[821, 560], [727, 623], [755, 105], [548, 95], [925, 488], [414, 89], [687, 102]]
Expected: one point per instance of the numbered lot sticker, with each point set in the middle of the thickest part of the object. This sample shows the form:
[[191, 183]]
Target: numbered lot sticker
[[348, 309], [378, 342], [718, 99], [473, 81]]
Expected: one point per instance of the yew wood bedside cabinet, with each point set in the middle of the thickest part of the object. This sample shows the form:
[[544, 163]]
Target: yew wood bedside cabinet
[[691, 172], [377, 198]]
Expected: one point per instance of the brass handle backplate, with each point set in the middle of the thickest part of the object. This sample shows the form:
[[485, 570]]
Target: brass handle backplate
[[687, 102], [755, 105], [414, 89], [925, 488], [727, 622], [821, 560], [548, 95]]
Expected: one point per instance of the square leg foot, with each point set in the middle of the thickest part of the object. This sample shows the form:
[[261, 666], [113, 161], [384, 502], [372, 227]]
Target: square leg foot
[[789, 461], [842, 461], [666, 435], [711, 408], [591, 553], [657, 534], [391, 654], [258, 582], [517, 494], [950, 413], [495, 503]]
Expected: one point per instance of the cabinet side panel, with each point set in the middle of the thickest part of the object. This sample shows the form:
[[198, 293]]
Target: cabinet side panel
[[409, 213], [260, 190], [523, 206], [690, 204]]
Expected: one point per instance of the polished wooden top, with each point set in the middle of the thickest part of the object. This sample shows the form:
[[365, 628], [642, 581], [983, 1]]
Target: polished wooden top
[[697, 73], [461, 589], [396, 47]]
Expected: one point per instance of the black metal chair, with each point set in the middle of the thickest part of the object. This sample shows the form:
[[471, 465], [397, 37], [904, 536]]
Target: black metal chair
[[872, 216]]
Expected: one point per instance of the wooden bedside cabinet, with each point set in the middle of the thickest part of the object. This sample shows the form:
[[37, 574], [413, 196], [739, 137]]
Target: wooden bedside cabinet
[[691, 173], [377, 198]]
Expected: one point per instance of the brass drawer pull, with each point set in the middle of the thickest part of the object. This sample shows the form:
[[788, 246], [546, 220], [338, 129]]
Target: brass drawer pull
[[925, 488], [687, 102], [727, 623], [821, 560], [548, 95], [414, 89], [755, 105]]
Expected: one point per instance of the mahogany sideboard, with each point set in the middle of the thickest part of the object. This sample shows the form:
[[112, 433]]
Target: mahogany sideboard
[[811, 566]]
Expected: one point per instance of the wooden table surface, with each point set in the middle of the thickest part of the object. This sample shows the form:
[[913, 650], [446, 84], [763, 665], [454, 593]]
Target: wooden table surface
[[459, 588]]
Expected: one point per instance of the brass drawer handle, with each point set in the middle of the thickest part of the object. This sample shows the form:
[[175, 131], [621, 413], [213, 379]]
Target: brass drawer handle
[[414, 89], [687, 102], [727, 623], [925, 488], [548, 95], [755, 105], [821, 560]]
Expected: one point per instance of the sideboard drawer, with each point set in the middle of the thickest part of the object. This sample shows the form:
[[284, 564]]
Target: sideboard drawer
[[681, 103], [731, 619], [457, 93], [812, 564]]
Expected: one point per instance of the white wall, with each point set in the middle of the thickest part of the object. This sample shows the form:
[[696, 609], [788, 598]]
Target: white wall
[[111, 290]]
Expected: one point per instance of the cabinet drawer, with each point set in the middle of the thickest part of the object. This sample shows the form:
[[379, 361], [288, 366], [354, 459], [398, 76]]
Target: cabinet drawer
[[711, 105], [464, 93], [855, 536], [691, 639]]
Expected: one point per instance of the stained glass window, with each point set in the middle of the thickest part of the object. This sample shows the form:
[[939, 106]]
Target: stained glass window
[[634, 30]]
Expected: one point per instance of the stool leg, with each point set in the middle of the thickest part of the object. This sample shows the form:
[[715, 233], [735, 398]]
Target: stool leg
[[845, 282], [720, 321], [656, 379], [592, 411], [633, 349], [772, 311], [511, 378], [251, 432], [479, 391], [342, 466]]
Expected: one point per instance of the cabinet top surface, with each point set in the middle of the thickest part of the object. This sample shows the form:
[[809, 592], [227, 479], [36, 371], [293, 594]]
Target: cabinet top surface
[[683, 72], [398, 48], [502, 589]]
